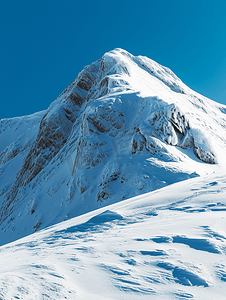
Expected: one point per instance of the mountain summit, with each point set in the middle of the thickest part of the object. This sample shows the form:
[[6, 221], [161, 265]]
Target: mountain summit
[[125, 126]]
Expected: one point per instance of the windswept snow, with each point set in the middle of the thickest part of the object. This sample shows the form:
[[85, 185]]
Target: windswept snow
[[167, 244]]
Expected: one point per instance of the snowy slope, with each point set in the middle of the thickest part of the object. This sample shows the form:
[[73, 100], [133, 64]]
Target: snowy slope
[[167, 244], [17, 135], [124, 127]]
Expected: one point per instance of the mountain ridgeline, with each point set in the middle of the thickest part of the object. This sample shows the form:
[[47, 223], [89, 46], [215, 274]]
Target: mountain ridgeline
[[125, 126]]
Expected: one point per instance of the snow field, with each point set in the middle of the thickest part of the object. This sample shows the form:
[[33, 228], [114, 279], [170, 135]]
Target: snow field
[[136, 249]]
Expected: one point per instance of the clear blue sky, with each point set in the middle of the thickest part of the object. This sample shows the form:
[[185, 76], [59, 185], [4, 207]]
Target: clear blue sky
[[45, 44]]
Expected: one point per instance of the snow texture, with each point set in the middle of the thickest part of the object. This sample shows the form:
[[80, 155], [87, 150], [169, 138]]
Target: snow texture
[[124, 127], [166, 244]]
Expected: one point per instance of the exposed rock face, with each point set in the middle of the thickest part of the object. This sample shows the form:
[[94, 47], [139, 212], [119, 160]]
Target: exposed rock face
[[55, 128], [11, 151], [171, 124], [123, 127], [205, 156]]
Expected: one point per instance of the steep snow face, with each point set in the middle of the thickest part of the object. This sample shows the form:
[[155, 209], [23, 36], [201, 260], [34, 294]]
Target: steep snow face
[[124, 127], [17, 136]]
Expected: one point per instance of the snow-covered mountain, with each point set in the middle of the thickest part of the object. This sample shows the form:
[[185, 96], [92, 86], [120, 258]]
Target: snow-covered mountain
[[126, 126]]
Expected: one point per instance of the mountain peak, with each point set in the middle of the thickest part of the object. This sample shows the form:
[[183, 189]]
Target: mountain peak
[[122, 57], [125, 126]]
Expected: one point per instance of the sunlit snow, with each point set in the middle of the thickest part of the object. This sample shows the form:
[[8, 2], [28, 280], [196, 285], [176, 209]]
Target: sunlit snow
[[116, 191], [167, 244]]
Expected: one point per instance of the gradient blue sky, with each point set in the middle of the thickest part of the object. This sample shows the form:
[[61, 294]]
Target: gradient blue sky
[[45, 44]]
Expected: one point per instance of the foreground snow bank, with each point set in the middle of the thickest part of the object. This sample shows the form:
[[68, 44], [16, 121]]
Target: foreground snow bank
[[167, 244]]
